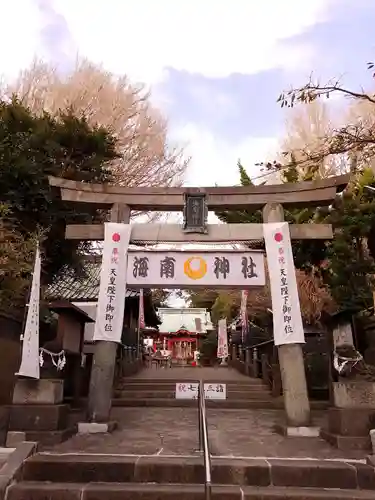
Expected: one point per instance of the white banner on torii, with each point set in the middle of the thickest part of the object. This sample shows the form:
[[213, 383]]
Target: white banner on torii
[[112, 291], [287, 320]]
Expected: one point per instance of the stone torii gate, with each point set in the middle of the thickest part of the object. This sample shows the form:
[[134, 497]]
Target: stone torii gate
[[271, 199]]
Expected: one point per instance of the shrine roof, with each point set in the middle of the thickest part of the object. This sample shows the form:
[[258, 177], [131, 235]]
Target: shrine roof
[[64, 307], [84, 287]]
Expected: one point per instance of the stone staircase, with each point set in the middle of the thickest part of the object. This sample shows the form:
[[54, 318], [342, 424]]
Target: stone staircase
[[251, 393], [161, 392], [47, 476]]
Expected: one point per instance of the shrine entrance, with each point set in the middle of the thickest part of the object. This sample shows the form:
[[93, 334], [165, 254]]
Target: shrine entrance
[[205, 268]]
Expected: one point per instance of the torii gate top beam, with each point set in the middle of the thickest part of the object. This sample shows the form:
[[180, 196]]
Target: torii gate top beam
[[168, 199]]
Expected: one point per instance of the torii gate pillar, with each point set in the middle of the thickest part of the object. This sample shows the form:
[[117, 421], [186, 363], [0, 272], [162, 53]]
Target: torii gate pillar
[[104, 361], [292, 368]]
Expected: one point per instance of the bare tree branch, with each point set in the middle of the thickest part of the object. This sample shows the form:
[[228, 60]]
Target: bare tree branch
[[113, 102]]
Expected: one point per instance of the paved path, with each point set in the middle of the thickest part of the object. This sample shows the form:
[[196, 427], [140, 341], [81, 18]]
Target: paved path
[[224, 374], [168, 431]]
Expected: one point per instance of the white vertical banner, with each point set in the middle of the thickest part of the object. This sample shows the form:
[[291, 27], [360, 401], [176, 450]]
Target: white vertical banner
[[244, 318], [112, 291], [141, 313], [30, 345], [222, 339], [287, 321]]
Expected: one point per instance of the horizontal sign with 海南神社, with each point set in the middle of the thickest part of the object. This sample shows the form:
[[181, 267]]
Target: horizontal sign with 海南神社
[[181, 269]]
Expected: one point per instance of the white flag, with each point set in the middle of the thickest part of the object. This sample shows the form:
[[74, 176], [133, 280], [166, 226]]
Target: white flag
[[244, 318], [112, 291], [30, 346], [287, 321], [141, 311], [222, 339]]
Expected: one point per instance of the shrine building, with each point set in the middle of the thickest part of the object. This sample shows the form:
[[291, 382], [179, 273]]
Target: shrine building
[[180, 332]]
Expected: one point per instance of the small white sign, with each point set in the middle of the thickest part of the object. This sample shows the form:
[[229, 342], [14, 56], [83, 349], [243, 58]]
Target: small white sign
[[215, 391], [188, 390]]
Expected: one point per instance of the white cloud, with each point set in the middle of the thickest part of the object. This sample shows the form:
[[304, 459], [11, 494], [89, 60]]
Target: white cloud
[[211, 37], [215, 161], [19, 34], [143, 38]]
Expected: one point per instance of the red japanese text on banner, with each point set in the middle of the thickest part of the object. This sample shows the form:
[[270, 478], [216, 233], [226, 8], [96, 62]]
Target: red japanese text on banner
[[287, 321], [111, 302], [222, 340], [141, 317], [244, 318]]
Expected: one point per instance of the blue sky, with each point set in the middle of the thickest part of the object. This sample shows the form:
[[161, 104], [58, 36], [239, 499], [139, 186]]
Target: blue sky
[[215, 67]]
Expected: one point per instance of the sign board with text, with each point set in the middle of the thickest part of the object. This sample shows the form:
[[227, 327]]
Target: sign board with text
[[180, 269], [188, 390]]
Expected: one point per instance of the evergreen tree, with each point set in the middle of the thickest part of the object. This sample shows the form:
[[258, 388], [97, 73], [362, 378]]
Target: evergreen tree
[[35, 147], [345, 264]]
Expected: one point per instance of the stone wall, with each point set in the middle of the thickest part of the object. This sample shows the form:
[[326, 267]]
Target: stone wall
[[10, 349]]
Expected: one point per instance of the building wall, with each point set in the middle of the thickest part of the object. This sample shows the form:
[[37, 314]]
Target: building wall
[[90, 309], [173, 320]]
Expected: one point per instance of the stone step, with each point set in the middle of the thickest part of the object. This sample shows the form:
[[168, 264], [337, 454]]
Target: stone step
[[105, 491], [5, 454], [237, 395], [305, 473], [151, 386], [175, 380], [265, 403]]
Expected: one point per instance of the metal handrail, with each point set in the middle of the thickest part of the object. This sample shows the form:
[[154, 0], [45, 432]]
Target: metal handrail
[[203, 440]]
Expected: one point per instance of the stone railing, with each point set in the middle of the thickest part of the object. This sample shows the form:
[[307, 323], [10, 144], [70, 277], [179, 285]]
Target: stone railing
[[258, 361], [128, 362], [261, 361]]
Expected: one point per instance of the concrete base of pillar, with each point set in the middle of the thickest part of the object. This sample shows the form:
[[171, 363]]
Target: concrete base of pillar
[[372, 438], [346, 443], [44, 438], [349, 428], [47, 424], [38, 392], [96, 427], [14, 438], [287, 430]]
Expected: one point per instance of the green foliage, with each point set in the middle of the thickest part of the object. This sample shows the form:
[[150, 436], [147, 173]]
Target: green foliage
[[208, 348], [345, 264], [201, 298], [241, 216], [220, 303], [306, 253], [17, 255], [244, 177], [160, 297], [351, 266], [35, 147], [225, 306]]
